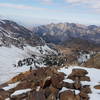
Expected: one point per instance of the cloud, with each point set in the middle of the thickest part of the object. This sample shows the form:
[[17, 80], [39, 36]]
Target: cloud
[[94, 4], [73, 1], [45, 1], [17, 6]]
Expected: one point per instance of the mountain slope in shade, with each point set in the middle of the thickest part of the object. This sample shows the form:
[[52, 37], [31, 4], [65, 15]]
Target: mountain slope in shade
[[58, 33], [77, 43], [12, 33]]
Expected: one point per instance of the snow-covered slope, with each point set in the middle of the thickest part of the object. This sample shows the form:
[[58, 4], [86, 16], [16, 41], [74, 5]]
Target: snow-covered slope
[[11, 56]]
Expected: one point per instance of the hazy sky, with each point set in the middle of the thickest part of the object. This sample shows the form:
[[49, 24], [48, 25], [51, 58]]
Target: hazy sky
[[47, 11]]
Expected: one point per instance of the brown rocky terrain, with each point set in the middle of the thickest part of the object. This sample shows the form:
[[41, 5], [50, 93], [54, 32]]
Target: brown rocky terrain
[[48, 84]]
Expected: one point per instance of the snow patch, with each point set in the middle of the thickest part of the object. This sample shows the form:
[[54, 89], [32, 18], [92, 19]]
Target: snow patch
[[83, 58], [19, 92], [10, 86], [68, 80]]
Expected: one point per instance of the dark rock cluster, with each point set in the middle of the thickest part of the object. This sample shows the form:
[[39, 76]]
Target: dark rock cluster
[[47, 84]]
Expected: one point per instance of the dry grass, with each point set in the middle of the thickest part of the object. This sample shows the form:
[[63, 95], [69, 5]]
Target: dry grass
[[94, 62]]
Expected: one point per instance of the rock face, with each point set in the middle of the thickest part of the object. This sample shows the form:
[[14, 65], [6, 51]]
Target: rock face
[[12, 33], [58, 33]]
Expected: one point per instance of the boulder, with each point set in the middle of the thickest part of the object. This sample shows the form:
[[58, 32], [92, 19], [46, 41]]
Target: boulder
[[78, 72], [85, 78], [97, 87], [74, 78], [79, 78], [67, 95]]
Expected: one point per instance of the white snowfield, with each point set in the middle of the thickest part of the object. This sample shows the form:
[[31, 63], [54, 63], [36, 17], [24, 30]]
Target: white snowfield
[[10, 56], [94, 75]]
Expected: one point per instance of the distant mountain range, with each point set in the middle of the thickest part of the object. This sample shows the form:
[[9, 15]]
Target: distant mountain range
[[62, 32], [67, 34]]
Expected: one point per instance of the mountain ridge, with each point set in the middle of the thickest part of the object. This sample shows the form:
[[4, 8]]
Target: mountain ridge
[[58, 33], [12, 33]]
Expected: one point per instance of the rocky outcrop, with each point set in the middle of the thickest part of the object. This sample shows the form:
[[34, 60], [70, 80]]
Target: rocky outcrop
[[79, 75], [48, 84]]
